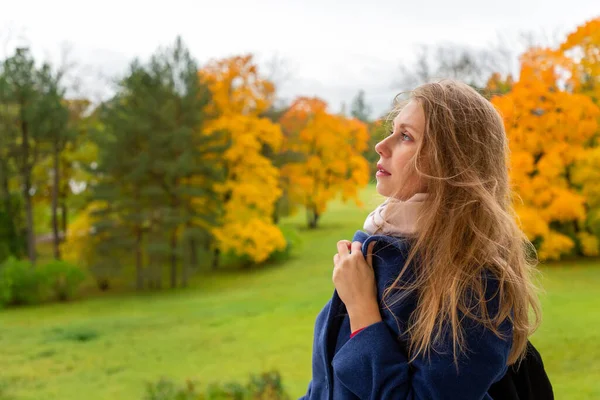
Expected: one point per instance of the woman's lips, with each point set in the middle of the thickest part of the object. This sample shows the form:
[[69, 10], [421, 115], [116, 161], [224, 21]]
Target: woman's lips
[[381, 171]]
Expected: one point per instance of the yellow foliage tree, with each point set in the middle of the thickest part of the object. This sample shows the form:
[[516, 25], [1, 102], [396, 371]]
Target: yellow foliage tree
[[332, 146], [499, 85], [80, 244], [583, 47], [240, 96], [549, 130]]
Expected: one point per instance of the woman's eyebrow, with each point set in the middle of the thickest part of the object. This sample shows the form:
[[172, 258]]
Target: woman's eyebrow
[[403, 125]]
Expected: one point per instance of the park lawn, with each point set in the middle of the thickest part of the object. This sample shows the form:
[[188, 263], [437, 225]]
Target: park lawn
[[230, 324]]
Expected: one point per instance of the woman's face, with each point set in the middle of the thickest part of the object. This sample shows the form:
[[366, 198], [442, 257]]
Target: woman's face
[[395, 152]]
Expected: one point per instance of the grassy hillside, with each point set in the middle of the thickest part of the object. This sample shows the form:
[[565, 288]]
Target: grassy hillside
[[230, 324]]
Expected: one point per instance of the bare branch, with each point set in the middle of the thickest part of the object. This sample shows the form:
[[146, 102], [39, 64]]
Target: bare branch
[[279, 70]]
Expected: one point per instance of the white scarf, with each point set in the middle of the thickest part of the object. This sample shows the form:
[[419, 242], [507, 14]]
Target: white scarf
[[395, 217]]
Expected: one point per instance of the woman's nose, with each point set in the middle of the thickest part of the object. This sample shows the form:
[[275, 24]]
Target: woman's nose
[[381, 149]]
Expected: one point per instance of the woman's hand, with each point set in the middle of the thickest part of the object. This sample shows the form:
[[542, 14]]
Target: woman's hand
[[354, 281]]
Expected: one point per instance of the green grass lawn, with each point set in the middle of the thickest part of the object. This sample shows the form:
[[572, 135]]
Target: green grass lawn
[[230, 324]]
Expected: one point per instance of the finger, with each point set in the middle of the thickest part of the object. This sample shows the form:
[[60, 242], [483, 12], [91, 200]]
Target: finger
[[370, 254], [356, 248], [342, 248], [336, 258]]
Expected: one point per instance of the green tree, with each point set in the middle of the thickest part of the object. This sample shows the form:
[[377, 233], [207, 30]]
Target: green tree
[[12, 228], [52, 117], [32, 116], [20, 93], [359, 108], [153, 162]]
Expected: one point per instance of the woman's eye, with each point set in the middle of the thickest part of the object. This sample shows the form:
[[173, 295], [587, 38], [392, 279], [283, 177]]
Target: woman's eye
[[405, 137]]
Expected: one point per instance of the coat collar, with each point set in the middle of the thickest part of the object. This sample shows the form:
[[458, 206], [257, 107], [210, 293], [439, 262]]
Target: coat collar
[[383, 273], [399, 243]]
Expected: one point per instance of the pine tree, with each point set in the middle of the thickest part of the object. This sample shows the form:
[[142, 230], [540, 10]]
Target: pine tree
[[359, 108], [156, 163]]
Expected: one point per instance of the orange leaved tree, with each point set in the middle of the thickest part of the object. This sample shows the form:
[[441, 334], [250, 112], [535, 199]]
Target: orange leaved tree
[[240, 96], [332, 148], [549, 129]]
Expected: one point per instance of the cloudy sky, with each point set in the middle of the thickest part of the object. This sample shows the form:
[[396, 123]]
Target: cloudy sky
[[325, 48]]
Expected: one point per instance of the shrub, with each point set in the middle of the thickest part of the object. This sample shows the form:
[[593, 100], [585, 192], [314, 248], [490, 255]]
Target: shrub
[[20, 283], [165, 389], [62, 279], [292, 239], [266, 386]]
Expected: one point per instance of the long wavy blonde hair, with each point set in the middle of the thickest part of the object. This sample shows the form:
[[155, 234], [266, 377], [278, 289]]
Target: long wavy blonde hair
[[467, 226]]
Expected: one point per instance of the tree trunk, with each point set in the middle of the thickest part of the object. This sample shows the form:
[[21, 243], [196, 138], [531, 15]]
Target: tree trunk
[[193, 253], [139, 284], [158, 276], [313, 218], [276, 211], [62, 196], [215, 263], [174, 259], [185, 265], [26, 176], [55, 187], [29, 220], [13, 231], [64, 216], [4, 189]]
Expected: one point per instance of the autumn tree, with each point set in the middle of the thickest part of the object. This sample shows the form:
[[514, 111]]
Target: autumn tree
[[582, 46], [280, 158], [333, 164], [77, 158], [498, 84], [549, 129], [240, 96], [86, 246]]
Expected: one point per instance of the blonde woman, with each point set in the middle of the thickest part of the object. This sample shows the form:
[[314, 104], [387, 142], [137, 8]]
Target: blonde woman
[[433, 298]]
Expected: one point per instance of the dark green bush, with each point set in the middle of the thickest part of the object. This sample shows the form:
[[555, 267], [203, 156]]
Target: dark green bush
[[62, 279], [165, 389], [266, 386], [20, 283], [13, 240]]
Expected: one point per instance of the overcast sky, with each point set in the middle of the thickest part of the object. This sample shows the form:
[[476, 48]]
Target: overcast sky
[[327, 48]]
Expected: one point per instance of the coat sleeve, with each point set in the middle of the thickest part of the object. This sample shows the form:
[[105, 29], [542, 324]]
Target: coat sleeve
[[374, 365]]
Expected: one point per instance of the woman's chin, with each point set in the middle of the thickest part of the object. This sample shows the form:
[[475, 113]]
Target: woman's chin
[[381, 189]]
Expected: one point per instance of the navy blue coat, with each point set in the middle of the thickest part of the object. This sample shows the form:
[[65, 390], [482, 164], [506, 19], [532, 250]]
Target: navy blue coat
[[374, 364]]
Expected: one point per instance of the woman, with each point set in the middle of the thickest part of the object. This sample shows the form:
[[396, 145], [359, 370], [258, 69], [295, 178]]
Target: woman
[[431, 300]]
